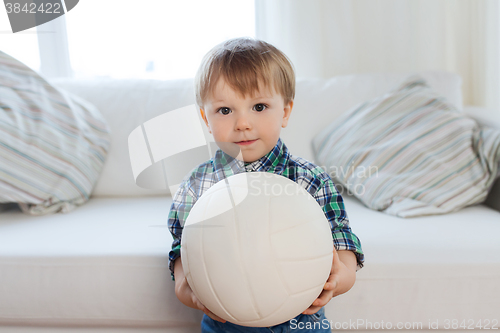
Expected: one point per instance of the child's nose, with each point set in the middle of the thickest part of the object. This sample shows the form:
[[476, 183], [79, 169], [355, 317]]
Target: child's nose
[[242, 123]]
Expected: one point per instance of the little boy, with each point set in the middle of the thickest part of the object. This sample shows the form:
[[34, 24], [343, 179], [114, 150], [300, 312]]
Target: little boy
[[245, 90]]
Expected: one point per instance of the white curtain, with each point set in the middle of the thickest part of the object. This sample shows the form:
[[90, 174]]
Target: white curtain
[[325, 38]]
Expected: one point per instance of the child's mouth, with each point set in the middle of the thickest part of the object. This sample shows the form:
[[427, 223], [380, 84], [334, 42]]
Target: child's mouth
[[245, 143]]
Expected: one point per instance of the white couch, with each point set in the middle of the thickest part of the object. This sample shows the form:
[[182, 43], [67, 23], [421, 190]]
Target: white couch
[[104, 266]]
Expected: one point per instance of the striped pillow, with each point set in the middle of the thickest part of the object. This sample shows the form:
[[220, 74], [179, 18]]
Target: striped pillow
[[410, 153], [52, 144]]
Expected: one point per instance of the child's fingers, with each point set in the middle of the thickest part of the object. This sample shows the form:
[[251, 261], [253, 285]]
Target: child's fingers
[[331, 284], [197, 302], [325, 296], [208, 312], [203, 308], [323, 300], [212, 315], [329, 287], [311, 310], [215, 317], [335, 260]]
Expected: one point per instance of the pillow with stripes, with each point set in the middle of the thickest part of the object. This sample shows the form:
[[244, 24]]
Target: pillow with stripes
[[410, 153], [52, 144]]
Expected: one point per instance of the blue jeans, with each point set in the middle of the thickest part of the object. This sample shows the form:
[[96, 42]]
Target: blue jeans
[[316, 322]]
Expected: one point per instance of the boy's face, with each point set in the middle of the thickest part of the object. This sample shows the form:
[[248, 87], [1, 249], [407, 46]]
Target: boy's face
[[247, 125]]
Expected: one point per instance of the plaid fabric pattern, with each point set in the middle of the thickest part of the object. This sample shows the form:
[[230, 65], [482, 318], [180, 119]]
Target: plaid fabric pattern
[[279, 161]]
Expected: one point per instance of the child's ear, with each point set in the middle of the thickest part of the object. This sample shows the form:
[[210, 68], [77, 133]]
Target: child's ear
[[286, 115], [205, 119]]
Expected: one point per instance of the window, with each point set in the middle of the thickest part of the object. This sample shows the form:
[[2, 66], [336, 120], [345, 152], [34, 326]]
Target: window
[[154, 39], [23, 45]]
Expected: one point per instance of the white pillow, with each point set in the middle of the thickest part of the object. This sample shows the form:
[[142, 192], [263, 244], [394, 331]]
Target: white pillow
[[52, 144], [410, 153]]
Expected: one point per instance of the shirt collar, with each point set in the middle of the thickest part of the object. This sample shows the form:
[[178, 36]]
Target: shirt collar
[[275, 159]]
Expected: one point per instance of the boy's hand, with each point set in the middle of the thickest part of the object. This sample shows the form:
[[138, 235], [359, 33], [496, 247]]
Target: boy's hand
[[186, 295], [341, 279]]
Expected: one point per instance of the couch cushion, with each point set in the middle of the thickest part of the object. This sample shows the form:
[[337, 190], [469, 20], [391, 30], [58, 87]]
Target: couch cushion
[[410, 153], [52, 144], [107, 264], [317, 103], [425, 269]]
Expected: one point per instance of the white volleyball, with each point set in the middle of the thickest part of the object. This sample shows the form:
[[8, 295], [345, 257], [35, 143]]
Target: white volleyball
[[256, 249]]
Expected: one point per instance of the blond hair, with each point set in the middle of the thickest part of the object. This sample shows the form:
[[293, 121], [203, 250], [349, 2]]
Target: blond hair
[[244, 64]]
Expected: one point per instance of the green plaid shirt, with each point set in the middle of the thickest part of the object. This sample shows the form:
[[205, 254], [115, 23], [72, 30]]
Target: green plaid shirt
[[279, 161]]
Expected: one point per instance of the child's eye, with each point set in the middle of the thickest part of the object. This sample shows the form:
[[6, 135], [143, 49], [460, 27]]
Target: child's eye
[[259, 107], [224, 110]]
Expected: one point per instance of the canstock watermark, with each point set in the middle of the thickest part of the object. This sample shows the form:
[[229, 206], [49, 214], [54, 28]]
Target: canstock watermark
[[26, 14], [347, 180], [361, 171], [359, 324], [350, 180], [431, 324], [258, 185], [164, 148]]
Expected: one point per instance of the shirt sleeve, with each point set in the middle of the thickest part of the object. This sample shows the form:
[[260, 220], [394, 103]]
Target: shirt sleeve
[[182, 203], [332, 204]]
